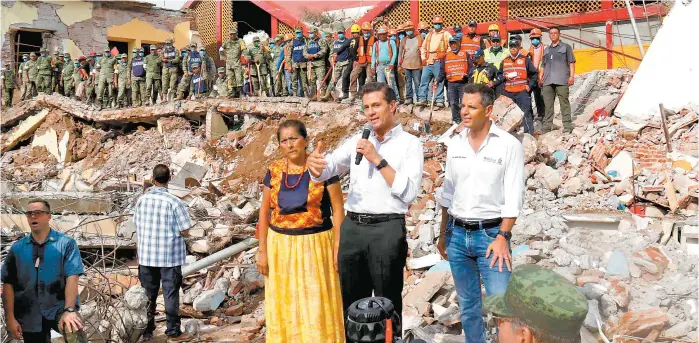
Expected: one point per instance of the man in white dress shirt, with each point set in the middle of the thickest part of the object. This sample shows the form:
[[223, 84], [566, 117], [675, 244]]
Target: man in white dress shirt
[[373, 248], [481, 198]]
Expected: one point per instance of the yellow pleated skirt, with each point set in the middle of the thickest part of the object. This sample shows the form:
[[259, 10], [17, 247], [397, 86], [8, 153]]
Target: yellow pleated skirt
[[303, 302]]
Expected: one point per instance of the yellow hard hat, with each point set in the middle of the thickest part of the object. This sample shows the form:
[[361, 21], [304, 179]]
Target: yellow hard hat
[[493, 27], [356, 28]]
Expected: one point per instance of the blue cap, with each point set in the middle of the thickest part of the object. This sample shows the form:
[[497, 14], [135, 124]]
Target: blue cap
[[478, 53], [454, 39]]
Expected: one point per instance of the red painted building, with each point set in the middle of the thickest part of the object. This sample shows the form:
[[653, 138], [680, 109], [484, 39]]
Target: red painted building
[[215, 18]]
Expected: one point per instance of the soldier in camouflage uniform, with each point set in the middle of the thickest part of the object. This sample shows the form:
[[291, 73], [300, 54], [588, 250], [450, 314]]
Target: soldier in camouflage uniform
[[171, 63], [121, 80], [57, 67], [192, 56], [153, 70], [67, 86], [43, 66], [288, 63], [258, 60], [231, 50], [24, 83], [299, 65], [8, 84], [94, 78], [220, 89], [138, 80], [539, 306], [210, 66], [340, 62], [78, 74], [316, 51], [106, 76]]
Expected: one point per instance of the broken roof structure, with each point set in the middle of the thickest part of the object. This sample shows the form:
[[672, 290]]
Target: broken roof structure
[[666, 76]]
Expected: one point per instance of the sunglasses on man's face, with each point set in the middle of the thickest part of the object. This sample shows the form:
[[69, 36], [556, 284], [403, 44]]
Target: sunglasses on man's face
[[34, 213]]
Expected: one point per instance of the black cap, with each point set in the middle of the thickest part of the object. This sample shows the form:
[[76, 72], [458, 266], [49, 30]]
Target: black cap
[[472, 23], [514, 44], [516, 37], [495, 38]]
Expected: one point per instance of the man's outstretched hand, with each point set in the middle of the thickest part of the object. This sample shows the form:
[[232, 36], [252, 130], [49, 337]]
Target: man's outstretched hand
[[316, 161]]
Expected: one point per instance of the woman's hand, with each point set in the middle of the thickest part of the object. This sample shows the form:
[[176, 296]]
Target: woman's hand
[[262, 266]]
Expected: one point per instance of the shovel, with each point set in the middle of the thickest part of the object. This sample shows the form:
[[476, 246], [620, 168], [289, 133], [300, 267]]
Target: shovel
[[428, 129], [259, 79]]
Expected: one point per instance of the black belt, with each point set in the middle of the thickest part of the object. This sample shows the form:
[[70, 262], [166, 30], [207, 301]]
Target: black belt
[[361, 218], [477, 224]]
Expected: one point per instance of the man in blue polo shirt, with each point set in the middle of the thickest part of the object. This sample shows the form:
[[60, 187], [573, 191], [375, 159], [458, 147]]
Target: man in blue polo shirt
[[40, 282]]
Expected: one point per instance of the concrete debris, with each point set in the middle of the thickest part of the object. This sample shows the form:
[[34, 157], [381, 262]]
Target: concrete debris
[[598, 207]]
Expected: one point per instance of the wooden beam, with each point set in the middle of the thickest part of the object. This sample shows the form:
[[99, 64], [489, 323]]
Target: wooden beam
[[415, 12], [610, 44], [275, 27]]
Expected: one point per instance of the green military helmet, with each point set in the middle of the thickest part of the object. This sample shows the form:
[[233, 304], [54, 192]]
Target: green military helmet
[[66, 55], [153, 47], [44, 49], [134, 50], [298, 29], [124, 56], [7, 64], [61, 55], [221, 69], [313, 29], [233, 30], [193, 45], [141, 50], [542, 299], [32, 54], [279, 37], [107, 48], [195, 65], [169, 41], [99, 54], [256, 39], [25, 55], [97, 65]]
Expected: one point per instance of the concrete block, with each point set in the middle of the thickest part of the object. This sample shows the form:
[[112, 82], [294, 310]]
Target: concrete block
[[424, 262], [426, 289], [24, 130], [215, 125], [209, 300]]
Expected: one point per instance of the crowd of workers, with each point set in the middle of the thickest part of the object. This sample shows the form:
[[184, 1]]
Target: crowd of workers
[[417, 62]]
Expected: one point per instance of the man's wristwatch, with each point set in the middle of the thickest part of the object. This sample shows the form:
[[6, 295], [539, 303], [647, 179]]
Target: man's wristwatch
[[382, 164], [506, 234], [69, 309]]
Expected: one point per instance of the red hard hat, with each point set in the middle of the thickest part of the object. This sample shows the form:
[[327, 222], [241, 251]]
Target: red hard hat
[[93, 54]]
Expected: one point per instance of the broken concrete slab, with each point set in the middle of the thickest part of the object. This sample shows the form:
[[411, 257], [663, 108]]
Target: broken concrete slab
[[23, 131], [508, 116], [190, 175], [215, 126], [209, 300], [424, 261], [620, 166], [548, 176], [76, 202], [426, 289]]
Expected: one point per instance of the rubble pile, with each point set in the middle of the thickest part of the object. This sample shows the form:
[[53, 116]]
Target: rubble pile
[[606, 206]]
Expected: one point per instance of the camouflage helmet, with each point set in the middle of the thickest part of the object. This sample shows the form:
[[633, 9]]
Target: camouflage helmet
[[279, 36], [43, 48], [153, 46], [61, 55], [123, 56], [298, 29], [169, 41], [313, 29], [542, 299], [25, 56], [32, 54], [97, 65], [107, 48], [195, 65], [193, 45], [99, 54], [256, 39], [233, 30], [134, 50], [141, 49], [221, 69], [66, 55]]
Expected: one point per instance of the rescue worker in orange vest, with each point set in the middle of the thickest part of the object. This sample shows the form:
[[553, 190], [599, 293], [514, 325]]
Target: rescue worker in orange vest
[[384, 59], [410, 61], [484, 72], [518, 38], [493, 31], [434, 48], [520, 77], [454, 69], [472, 42], [360, 51], [536, 53]]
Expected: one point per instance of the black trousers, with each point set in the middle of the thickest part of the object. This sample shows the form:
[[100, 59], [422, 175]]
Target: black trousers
[[372, 258], [171, 278]]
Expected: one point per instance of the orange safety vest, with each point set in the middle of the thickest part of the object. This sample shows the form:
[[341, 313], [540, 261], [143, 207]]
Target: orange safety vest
[[518, 65], [364, 57], [390, 50], [537, 54], [456, 65], [471, 45], [401, 49], [441, 48]]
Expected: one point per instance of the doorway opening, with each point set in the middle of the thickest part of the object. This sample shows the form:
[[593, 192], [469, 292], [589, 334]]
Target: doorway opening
[[250, 18], [123, 47], [27, 42]]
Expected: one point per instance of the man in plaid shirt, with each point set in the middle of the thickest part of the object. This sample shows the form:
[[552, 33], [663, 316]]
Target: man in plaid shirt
[[162, 222]]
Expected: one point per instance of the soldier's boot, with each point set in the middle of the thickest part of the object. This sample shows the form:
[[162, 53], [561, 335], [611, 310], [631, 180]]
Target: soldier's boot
[[326, 96], [241, 94]]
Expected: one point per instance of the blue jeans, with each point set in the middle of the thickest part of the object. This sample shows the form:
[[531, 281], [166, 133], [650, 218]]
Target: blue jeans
[[412, 83], [466, 252], [389, 80], [289, 85], [455, 92], [428, 73]]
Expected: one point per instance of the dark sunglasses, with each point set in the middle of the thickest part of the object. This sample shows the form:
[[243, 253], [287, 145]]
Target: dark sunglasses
[[34, 213]]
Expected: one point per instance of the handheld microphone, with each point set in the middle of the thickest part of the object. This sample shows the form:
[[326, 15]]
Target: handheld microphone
[[365, 135]]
